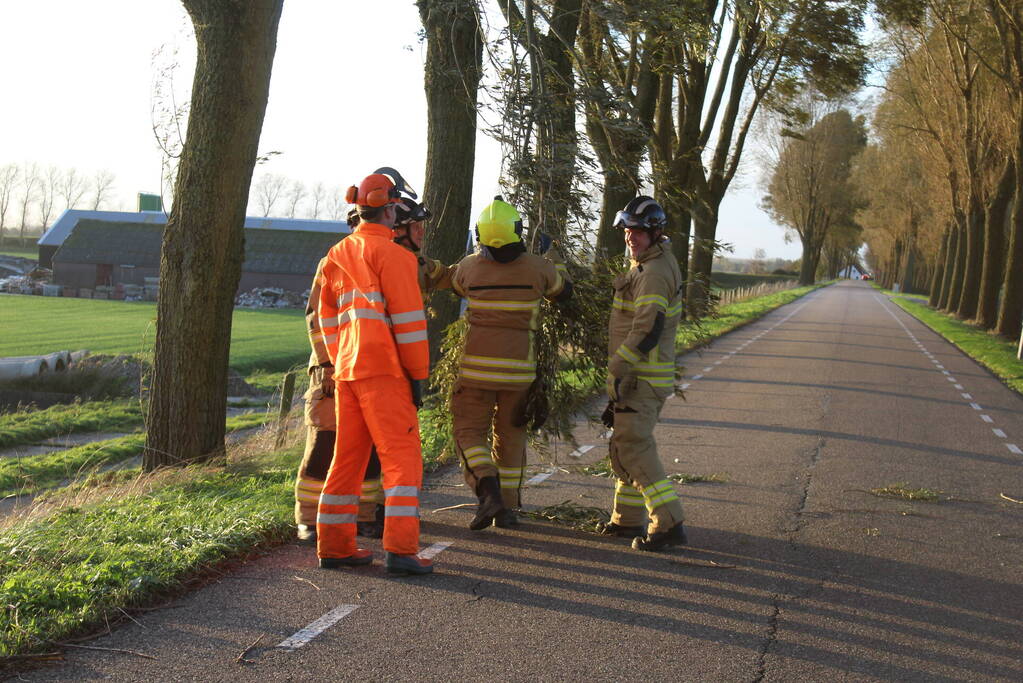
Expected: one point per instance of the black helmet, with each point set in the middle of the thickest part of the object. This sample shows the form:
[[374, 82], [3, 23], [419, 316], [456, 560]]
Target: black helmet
[[409, 211], [642, 212]]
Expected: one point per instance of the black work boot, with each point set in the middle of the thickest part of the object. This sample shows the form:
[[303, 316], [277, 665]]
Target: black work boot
[[488, 489], [613, 529], [659, 540], [506, 519]]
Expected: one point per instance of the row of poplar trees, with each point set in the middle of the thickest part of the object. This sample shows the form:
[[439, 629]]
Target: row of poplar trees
[[942, 182], [606, 93]]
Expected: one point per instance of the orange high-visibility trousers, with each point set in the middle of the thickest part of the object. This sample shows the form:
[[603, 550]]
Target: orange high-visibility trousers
[[376, 410]]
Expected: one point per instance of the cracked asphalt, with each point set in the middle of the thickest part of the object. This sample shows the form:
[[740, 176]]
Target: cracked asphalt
[[795, 570]]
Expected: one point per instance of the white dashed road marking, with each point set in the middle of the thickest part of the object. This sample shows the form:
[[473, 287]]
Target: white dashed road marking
[[317, 627], [999, 433], [1014, 448], [435, 550], [579, 451], [986, 418], [543, 476]]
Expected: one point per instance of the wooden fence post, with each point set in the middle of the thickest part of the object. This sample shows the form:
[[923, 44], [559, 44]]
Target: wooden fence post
[[287, 395]]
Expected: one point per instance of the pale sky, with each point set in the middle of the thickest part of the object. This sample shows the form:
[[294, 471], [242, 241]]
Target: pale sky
[[77, 92]]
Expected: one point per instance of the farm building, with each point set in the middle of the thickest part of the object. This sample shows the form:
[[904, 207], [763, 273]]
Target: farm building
[[87, 251]]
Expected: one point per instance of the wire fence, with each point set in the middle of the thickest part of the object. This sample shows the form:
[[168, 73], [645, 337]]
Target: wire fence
[[731, 296]]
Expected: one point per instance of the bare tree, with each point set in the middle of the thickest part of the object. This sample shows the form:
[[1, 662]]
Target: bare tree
[[203, 242], [318, 197], [269, 190], [49, 186], [72, 186], [296, 193], [336, 204], [102, 186], [168, 117], [30, 183], [9, 175]]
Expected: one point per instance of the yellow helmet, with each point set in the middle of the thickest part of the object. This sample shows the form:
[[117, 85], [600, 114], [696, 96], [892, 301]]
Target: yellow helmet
[[499, 224]]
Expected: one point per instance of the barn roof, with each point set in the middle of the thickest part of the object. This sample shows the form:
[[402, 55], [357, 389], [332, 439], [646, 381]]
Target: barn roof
[[138, 244], [62, 227]]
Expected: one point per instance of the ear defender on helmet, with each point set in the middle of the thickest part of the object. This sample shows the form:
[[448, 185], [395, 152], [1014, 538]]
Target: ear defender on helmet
[[352, 195]]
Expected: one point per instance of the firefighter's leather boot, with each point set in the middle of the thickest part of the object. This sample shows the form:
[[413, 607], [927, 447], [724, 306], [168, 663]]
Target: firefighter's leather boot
[[306, 533], [407, 564], [359, 557], [489, 492], [659, 540], [612, 529], [374, 529], [506, 519]]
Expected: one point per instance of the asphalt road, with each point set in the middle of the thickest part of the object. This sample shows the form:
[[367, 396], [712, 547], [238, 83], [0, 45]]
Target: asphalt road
[[795, 570]]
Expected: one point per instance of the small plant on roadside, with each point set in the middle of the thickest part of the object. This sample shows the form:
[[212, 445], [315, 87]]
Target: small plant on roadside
[[902, 490], [683, 478], [572, 515], [599, 469]]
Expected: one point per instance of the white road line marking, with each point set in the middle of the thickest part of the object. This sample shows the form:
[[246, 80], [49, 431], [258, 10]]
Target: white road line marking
[[951, 379], [999, 433], [314, 629], [958, 386], [697, 377], [717, 362], [541, 477], [435, 550], [708, 369], [968, 397], [686, 385], [579, 451], [975, 406], [986, 418], [1014, 448]]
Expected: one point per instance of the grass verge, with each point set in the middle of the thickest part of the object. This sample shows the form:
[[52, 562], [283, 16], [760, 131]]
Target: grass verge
[[80, 567], [94, 416], [993, 352], [30, 475], [733, 316]]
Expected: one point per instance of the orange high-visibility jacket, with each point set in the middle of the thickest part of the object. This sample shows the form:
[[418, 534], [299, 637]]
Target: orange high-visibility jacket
[[371, 309]]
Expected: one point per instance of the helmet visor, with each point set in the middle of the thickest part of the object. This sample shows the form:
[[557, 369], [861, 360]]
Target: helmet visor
[[627, 220]]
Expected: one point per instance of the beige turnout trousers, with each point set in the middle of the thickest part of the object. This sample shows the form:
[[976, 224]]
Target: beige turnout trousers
[[476, 412], [642, 488]]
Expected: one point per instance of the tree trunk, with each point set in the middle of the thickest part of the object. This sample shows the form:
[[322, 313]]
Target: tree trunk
[[994, 248], [955, 287], [950, 264], [1010, 313], [808, 264], [973, 261], [705, 222], [203, 242], [939, 269], [454, 50], [618, 191]]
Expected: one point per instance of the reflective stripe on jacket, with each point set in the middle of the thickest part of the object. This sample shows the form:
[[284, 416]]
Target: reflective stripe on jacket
[[645, 313], [503, 314], [371, 309]]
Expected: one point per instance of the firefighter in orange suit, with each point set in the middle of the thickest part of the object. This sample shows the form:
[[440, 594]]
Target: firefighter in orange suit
[[640, 376], [374, 328], [433, 275], [504, 286]]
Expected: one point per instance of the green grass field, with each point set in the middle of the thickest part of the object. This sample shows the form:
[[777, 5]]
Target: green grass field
[[260, 339], [30, 252]]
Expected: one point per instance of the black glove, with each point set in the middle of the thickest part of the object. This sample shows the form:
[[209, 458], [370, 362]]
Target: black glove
[[417, 392], [543, 242], [608, 416]]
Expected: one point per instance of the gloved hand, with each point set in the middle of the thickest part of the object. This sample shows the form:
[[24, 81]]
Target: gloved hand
[[621, 381], [608, 416], [543, 242], [327, 380], [417, 392]]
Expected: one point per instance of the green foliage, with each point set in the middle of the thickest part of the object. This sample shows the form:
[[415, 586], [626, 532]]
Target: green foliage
[[993, 352], [260, 339], [29, 252], [903, 491], [572, 515], [736, 280], [97, 416], [69, 572]]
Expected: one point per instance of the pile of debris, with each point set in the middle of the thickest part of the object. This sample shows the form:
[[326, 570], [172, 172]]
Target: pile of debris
[[30, 283], [271, 297], [136, 373]]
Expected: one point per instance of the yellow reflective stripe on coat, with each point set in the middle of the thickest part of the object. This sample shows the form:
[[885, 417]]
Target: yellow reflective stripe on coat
[[495, 362], [504, 305], [627, 353], [622, 304], [477, 455], [651, 299], [498, 377], [510, 477]]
